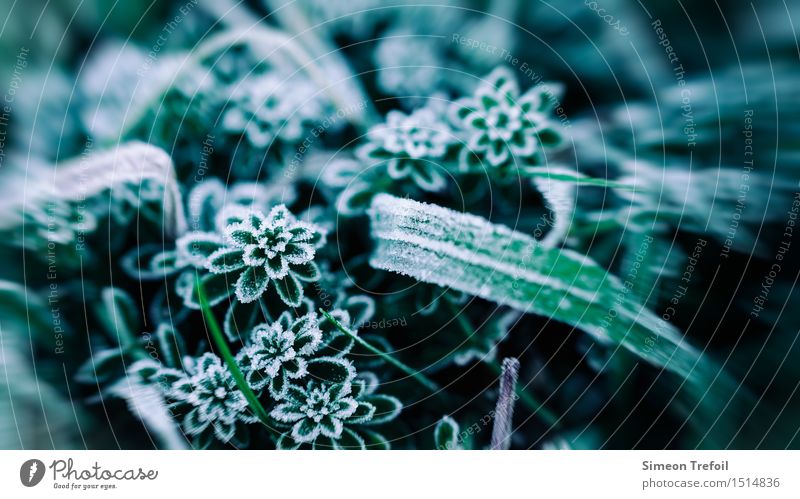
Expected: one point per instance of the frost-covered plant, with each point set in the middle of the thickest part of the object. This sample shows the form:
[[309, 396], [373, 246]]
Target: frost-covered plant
[[505, 131], [319, 409], [269, 108], [253, 250], [335, 415], [411, 147], [456, 230], [279, 352], [210, 397]]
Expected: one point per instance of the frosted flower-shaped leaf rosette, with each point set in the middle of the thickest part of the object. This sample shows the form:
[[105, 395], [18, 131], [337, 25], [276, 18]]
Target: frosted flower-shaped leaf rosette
[[411, 146], [504, 131], [211, 394], [253, 250], [318, 409], [280, 351], [268, 248]]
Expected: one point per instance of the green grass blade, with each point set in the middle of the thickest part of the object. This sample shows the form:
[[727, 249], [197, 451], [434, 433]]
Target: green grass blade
[[227, 356], [470, 254]]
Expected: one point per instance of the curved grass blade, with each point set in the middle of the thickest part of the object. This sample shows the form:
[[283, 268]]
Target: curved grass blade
[[470, 254]]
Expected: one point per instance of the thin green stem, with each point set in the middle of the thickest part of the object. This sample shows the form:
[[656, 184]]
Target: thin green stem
[[227, 356], [525, 396], [417, 375]]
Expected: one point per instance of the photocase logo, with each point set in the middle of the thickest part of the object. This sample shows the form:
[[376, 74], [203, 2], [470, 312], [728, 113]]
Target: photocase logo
[[31, 472]]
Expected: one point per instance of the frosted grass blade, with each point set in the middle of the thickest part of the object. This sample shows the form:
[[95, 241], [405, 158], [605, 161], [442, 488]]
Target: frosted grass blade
[[470, 254]]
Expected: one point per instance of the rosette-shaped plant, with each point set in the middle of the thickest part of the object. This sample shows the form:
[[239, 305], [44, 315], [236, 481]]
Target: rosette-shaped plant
[[318, 409], [279, 352], [255, 249], [335, 415], [504, 131], [411, 147], [211, 396], [329, 415]]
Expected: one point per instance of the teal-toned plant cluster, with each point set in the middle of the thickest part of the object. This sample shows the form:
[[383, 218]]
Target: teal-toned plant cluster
[[397, 225]]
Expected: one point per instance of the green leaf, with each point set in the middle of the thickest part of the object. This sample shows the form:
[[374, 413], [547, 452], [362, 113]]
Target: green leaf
[[119, 315], [308, 271], [364, 412], [373, 440], [331, 370], [428, 176], [469, 254], [354, 199], [251, 284], [336, 345], [290, 290], [217, 287], [102, 366], [171, 345], [194, 248], [227, 356], [225, 260], [387, 408], [445, 435]]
